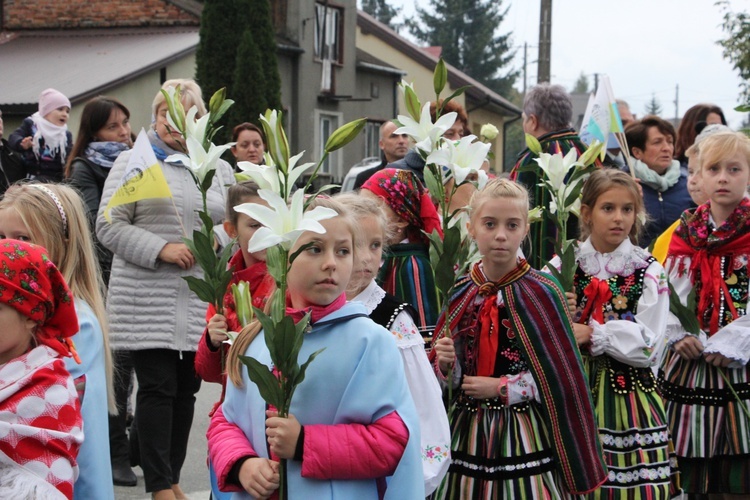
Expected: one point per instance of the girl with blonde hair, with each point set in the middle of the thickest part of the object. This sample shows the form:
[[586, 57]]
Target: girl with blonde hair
[[54, 216]]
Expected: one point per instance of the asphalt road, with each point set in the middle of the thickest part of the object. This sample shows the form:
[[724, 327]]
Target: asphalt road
[[194, 479]]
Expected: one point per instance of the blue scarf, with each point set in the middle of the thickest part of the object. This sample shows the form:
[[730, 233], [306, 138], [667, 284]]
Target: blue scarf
[[104, 154], [161, 150]]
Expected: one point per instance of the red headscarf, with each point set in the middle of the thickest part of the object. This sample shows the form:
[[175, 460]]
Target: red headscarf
[[406, 196], [31, 284]]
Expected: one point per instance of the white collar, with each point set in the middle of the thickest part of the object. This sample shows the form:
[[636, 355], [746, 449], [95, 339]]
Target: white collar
[[371, 296], [623, 261]]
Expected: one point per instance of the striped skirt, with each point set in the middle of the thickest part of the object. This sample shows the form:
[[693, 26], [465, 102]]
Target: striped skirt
[[633, 430], [711, 432], [499, 453]]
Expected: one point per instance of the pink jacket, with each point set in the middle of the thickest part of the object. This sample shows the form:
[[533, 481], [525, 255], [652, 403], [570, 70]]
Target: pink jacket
[[343, 451]]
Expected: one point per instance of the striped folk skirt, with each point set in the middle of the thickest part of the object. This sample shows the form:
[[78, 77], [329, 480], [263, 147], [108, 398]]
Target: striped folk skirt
[[710, 430], [499, 452], [633, 430]]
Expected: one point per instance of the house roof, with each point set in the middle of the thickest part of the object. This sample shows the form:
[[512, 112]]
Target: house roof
[[84, 63], [367, 61], [478, 93]]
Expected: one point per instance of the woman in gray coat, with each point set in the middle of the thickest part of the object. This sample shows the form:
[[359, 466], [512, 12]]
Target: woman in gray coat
[[152, 311]]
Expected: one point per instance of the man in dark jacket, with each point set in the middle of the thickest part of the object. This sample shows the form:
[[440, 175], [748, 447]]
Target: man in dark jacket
[[394, 147]]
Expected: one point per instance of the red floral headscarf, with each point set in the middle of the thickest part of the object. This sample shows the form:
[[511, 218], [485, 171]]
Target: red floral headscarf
[[31, 284], [403, 192]]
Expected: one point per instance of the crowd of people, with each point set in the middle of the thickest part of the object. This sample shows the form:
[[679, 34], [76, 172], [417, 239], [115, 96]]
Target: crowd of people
[[515, 388]]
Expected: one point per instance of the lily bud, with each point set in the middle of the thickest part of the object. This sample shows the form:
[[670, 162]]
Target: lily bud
[[439, 76], [533, 144], [344, 135], [413, 106], [488, 131]]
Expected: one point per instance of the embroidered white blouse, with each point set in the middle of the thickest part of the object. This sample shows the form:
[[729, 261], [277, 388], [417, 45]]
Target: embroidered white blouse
[[638, 341], [425, 390], [732, 340]]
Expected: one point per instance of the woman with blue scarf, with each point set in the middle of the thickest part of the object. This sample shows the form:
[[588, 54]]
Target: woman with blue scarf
[[152, 312], [103, 134]]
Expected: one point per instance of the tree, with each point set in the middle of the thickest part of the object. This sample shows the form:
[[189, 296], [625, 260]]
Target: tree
[[261, 26], [237, 50], [249, 102], [737, 45], [220, 34], [653, 107], [582, 85], [467, 32], [383, 12]]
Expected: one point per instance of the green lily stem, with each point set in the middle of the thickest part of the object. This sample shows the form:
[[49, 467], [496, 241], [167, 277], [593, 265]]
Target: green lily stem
[[315, 172], [734, 393]]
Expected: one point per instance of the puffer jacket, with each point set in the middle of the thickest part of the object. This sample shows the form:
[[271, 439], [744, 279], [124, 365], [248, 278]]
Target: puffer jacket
[[149, 304]]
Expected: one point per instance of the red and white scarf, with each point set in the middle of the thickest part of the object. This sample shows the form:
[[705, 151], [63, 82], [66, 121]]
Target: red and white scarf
[[40, 427]]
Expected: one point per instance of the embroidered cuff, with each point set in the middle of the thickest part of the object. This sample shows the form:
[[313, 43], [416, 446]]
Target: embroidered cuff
[[732, 341], [522, 388]]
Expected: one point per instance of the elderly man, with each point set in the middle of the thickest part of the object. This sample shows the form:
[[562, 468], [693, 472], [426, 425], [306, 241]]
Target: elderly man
[[547, 115], [394, 147]]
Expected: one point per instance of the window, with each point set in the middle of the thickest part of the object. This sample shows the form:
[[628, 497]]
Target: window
[[328, 33], [327, 124], [372, 139]]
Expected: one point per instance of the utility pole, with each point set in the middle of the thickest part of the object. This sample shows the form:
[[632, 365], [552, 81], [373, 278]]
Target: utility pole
[[545, 41], [676, 102], [525, 61]]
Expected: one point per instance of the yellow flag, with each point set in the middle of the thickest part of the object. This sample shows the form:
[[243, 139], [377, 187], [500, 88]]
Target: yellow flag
[[143, 178]]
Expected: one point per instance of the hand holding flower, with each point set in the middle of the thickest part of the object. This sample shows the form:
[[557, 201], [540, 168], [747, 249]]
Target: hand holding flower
[[217, 329], [446, 354], [718, 360], [282, 434], [690, 347]]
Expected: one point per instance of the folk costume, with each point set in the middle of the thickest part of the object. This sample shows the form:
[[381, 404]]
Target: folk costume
[[398, 318], [40, 417], [406, 272], [560, 141], [624, 297], [710, 431], [531, 448], [354, 392]]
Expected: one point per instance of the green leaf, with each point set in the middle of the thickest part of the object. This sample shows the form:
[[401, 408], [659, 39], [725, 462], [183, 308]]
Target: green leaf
[[215, 117], [432, 183], [201, 288], [327, 187], [208, 180], [685, 314], [455, 94], [573, 195], [439, 77], [533, 144], [262, 376], [344, 135], [301, 249], [301, 374], [567, 268], [208, 223]]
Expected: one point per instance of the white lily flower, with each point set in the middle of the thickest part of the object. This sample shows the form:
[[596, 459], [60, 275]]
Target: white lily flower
[[283, 223], [277, 142], [198, 160], [196, 128], [462, 157], [556, 167], [265, 176], [425, 133], [269, 177]]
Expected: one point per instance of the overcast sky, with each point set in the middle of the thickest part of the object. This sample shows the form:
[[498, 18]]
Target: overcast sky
[[647, 47]]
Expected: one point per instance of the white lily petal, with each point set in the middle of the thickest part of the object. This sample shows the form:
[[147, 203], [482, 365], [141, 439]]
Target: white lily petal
[[261, 213], [262, 239]]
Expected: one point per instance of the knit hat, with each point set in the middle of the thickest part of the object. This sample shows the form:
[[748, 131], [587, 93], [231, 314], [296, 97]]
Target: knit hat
[[31, 284], [50, 100]]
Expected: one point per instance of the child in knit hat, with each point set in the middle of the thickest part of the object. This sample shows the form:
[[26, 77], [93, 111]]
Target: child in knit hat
[[43, 138]]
